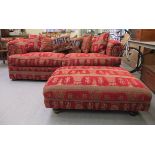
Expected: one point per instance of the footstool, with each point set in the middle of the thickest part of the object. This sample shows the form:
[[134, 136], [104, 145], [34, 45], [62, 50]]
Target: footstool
[[96, 88]]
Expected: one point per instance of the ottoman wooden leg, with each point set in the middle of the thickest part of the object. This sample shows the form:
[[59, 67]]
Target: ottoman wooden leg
[[133, 113], [57, 111]]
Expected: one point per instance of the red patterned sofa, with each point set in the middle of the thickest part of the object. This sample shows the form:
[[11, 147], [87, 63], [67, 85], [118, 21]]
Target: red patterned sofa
[[36, 58], [96, 88]]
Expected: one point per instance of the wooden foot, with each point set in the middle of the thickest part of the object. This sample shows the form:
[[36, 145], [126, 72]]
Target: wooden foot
[[133, 113], [57, 111]]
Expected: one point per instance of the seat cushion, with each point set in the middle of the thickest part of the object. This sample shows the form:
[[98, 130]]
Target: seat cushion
[[96, 87], [90, 59], [42, 59]]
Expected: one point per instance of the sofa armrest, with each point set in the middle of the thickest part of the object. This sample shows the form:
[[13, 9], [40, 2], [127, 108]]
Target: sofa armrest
[[17, 46], [114, 48]]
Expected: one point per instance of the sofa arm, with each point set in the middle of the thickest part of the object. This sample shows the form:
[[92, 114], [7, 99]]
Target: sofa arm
[[114, 48], [17, 46]]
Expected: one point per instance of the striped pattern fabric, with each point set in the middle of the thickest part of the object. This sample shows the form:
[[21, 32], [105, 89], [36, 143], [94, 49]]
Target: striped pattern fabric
[[30, 73], [90, 59], [36, 59], [97, 88]]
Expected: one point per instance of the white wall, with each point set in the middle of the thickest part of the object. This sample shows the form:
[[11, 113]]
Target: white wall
[[37, 31], [34, 31]]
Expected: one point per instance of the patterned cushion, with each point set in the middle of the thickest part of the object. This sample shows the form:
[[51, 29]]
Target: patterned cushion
[[34, 44], [61, 43], [46, 45], [17, 46], [99, 43], [86, 44], [90, 59], [114, 48], [96, 87], [37, 59], [75, 44]]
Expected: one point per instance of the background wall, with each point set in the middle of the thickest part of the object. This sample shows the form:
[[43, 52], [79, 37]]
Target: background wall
[[37, 31], [34, 31]]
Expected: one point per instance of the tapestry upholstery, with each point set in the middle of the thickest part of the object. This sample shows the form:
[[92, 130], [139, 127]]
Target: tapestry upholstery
[[20, 55], [86, 44], [34, 44], [61, 43], [75, 44], [99, 43], [30, 73], [96, 87], [90, 59], [114, 48], [46, 45], [36, 59], [17, 46]]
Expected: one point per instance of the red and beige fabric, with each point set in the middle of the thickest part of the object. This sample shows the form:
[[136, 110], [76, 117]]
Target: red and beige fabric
[[97, 88], [114, 48], [36, 59], [86, 44], [30, 73], [32, 36], [75, 44], [34, 42], [55, 44], [17, 46], [34, 45], [90, 59], [46, 45], [99, 43]]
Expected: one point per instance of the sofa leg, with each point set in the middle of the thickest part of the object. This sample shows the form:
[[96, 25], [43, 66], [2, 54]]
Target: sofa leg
[[133, 113], [57, 111]]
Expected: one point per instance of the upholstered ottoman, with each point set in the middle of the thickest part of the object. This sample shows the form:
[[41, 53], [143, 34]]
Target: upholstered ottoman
[[96, 88]]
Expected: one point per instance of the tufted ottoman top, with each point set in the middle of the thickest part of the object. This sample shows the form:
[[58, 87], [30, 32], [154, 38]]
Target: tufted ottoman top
[[96, 87]]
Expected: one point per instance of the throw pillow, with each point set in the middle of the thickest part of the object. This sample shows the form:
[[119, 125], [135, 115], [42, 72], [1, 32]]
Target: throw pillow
[[47, 45], [61, 43], [99, 43], [75, 44], [33, 45], [86, 44]]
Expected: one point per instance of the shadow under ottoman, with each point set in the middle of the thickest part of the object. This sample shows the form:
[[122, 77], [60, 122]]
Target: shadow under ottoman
[[96, 88]]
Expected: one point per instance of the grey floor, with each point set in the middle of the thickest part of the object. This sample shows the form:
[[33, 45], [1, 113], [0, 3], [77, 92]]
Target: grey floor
[[21, 102]]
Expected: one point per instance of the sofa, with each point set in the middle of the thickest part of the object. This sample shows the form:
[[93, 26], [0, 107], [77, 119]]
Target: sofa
[[37, 57]]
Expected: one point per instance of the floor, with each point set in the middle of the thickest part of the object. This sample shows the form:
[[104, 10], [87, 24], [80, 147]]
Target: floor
[[21, 102]]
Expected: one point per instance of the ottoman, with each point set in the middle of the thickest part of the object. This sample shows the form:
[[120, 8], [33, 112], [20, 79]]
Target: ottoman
[[96, 88]]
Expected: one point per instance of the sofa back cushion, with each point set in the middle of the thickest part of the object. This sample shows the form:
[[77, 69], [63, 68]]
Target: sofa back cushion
[[34, 42], [33, 45], [17, 46], [86, 44], [99, 43]]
